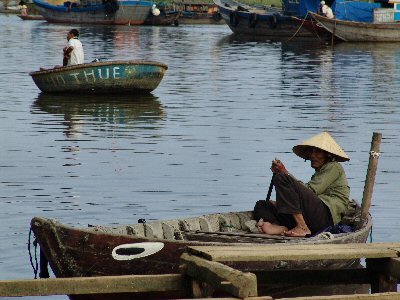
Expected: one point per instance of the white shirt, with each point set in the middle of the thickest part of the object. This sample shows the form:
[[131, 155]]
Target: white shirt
[[76, 56], [327, 11]]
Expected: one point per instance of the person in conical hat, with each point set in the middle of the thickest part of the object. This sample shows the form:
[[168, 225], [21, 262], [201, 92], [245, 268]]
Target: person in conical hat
[[301, 209]]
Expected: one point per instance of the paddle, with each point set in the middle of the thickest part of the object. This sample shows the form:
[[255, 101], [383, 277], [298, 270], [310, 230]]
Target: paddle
[[271, 186]]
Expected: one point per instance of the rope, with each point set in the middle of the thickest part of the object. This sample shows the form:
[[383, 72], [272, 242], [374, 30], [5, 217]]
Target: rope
[[297, 31], [326, 235], [370, 235], [34, 267], [374, 154]]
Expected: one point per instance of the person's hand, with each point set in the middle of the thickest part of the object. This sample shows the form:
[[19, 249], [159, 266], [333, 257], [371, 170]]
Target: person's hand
[[278, 167]]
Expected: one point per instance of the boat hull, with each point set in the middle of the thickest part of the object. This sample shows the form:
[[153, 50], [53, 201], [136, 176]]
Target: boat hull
[[350, 31], [170, 18], [259, 22], [32, 17], [74, 252], [101, 77], [128, 13]]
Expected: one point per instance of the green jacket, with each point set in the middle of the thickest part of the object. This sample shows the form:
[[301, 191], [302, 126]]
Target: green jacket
[[331, 186]]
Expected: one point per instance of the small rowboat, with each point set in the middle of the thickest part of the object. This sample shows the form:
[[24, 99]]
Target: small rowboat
[[105, 77], [155, 247]]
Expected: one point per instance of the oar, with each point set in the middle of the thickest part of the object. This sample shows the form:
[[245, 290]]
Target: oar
[[271, 186]]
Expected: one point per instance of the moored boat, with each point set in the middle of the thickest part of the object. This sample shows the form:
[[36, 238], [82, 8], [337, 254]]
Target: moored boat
[[118, 12], [132, 76], [156, 246], [261, 21], [353, 31], [197, 12]]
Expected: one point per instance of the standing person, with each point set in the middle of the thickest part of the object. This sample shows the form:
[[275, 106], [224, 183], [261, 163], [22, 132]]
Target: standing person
[[304, 209], [73, 52], [325, 10]]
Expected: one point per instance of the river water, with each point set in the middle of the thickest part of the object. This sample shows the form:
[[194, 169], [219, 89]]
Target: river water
[[202, 142]]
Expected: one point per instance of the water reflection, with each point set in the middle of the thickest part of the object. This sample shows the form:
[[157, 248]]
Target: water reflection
[[123, 110]]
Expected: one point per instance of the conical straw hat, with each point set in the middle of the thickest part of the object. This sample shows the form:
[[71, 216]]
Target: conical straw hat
[[322, 141]]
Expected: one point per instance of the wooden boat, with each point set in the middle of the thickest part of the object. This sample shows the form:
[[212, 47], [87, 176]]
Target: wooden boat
[[155, 247], [31, 17], [118, 12], [351, 31], [131, 76], [197, 12], [265, 21]]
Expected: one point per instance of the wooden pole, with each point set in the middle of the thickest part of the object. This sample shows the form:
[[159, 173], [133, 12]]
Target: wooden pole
[[371, 172]]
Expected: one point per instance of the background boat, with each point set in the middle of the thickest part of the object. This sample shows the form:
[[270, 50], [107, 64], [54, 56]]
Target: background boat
[[76, 252], [102, 77], [260, 21], [197, 12], [118, 12], [352, 31]]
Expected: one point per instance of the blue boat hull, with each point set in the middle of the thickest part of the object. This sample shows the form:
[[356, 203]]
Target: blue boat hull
[[114, 77], [122, 12], [250, 21]]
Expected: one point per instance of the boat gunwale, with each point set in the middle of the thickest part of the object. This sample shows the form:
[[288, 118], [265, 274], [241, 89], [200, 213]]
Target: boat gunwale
[[278, 239], [96, 64], [385, 25]]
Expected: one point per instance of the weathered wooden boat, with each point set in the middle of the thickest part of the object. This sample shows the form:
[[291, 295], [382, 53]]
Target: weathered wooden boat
[[198, 12], [131, 76], [155, 247], [351, 31], [260, 21], [31, 17], [118, 12]]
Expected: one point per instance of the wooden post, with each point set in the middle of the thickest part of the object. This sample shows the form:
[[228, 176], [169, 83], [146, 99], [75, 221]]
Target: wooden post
[[370, 179]]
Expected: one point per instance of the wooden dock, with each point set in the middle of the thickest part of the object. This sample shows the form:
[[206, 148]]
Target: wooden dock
[[203, 267]]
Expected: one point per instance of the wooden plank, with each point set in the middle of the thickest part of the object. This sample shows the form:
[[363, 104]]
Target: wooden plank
[[265, 254], [91, 285], [221, 277], [386, 274], [303, 246], [389, 267], [314, 277], [380, 296]]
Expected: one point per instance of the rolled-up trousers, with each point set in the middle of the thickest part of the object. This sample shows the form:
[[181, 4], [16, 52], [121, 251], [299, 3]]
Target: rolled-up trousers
[[293, 197]]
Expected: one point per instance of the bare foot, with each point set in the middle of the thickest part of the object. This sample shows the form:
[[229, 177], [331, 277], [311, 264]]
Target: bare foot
[[270, 228], [297, 232]]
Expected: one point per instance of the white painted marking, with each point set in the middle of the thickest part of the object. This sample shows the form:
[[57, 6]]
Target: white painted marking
[[145, 249]]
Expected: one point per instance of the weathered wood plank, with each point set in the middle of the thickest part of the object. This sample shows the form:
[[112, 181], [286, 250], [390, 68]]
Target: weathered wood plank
[[91, 285], [389, 267], [221, 277], [296, 252], [380, 296], [314, 277]]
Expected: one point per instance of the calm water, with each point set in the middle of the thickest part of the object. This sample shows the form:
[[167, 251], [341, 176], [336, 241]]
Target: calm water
[[201, 143]]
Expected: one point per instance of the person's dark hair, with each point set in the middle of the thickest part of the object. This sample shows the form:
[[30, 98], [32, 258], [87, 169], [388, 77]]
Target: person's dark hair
[[75, 32]]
